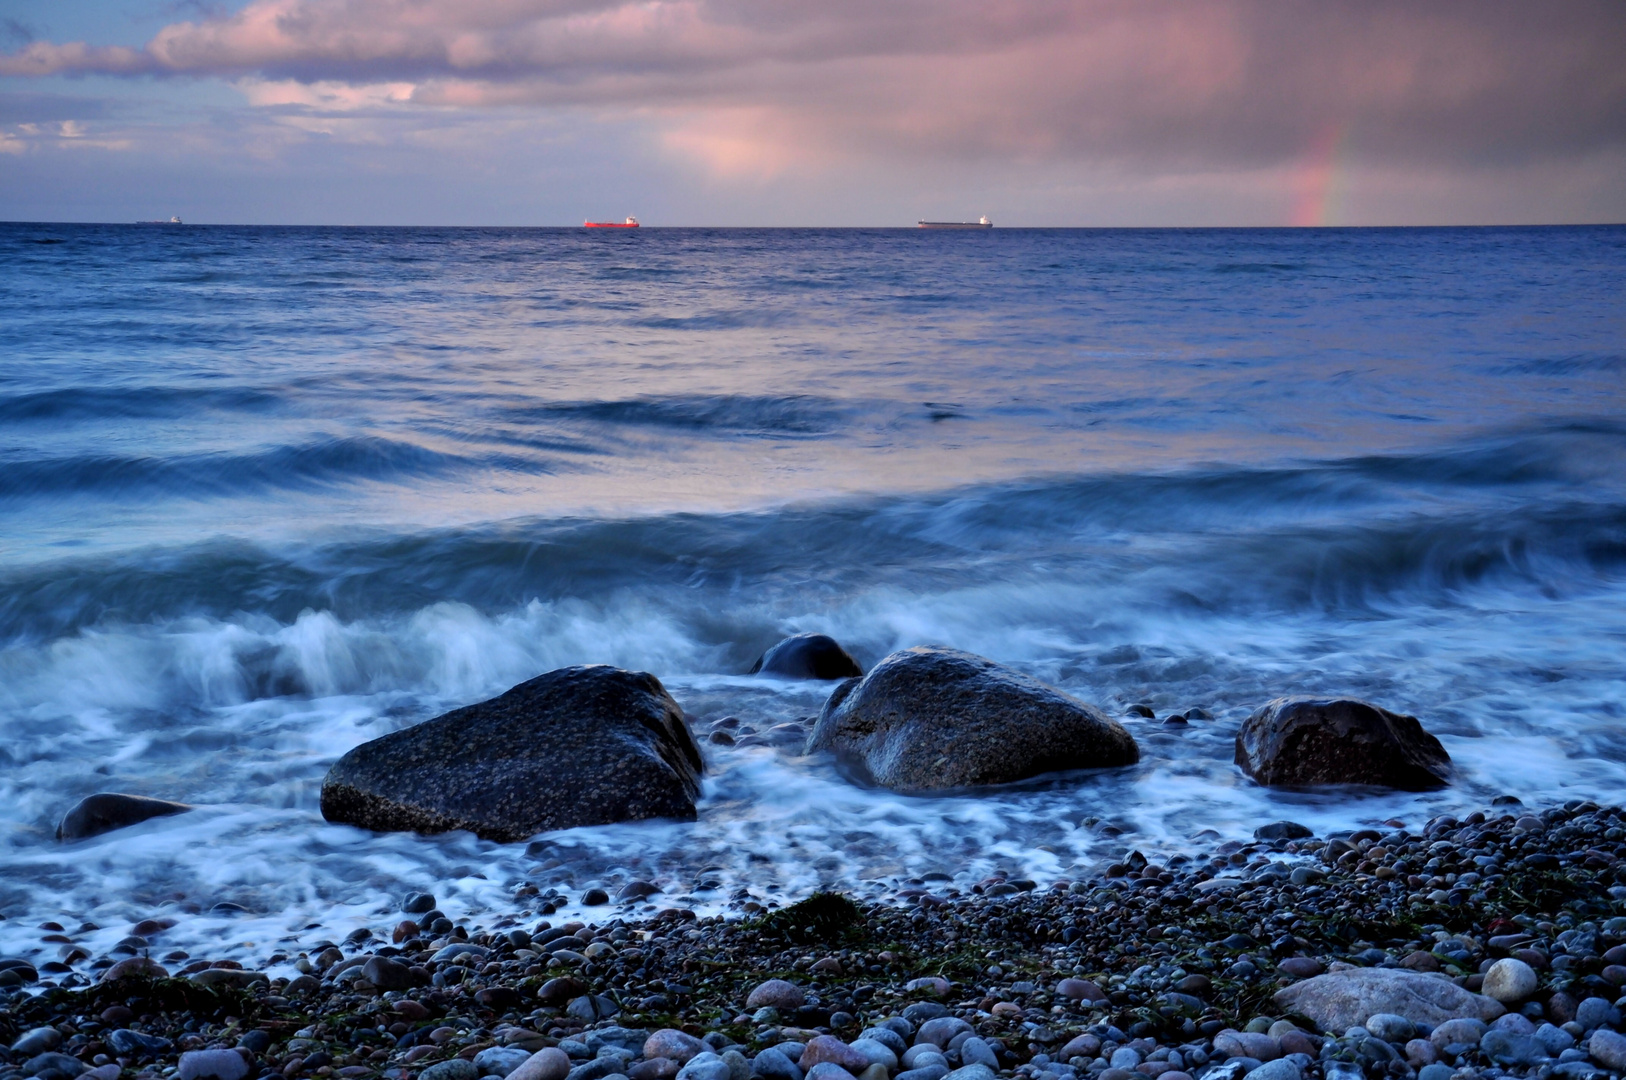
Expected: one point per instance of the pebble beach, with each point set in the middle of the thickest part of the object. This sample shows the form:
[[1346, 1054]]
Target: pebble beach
[[1490, 946]]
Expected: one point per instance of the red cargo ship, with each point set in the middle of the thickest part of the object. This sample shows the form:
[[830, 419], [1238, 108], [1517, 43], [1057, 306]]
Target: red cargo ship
[[630, 223]]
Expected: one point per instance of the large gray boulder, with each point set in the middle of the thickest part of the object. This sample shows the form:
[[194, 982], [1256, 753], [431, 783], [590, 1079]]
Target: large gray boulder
[[1340, 1000], [1306, 742], [108, 810], [577, 746], [929, 718]]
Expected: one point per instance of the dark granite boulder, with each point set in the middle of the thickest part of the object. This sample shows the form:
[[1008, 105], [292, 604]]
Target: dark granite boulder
[[107, 810], [1305, 742], [930, 718], [808, 656], [577, 746]]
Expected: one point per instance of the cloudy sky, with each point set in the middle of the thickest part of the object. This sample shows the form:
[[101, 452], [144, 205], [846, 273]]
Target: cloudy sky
[[817, 112]]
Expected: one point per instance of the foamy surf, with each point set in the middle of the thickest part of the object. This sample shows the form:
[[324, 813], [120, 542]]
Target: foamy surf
[[226, 558]]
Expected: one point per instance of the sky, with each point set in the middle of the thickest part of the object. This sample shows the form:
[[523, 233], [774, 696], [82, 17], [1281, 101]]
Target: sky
[[814, 112]]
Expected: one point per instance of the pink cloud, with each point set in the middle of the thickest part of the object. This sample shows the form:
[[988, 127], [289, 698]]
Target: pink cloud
[[757, 87]]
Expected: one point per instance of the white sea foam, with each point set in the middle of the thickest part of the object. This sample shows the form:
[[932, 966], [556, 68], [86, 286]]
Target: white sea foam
[[170, 710], [265, 513]]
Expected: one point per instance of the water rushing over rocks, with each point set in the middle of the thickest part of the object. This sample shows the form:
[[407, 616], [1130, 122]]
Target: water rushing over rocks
[[1490, 946], [267, 495]]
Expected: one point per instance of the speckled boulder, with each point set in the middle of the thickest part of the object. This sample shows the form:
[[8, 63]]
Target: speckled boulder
[[577, 746], [929, 718], [1307, 742], [1339, 1000]]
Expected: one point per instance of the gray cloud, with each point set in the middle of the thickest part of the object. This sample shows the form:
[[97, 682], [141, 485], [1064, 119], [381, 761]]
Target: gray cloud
[[16, 32], [22, 107], [1171, 85]]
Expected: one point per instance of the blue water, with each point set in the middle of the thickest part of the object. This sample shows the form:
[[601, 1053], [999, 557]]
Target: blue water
[[267, 493]]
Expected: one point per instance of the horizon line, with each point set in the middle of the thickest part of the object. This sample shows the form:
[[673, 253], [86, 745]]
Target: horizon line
[[155, 223]]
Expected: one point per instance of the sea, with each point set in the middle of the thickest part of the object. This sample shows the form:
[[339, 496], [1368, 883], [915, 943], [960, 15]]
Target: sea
[[268, 493]]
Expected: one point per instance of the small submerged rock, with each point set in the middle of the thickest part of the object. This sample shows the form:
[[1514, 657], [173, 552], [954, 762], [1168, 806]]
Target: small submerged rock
[[107, 811], [1282, 830], [139, 967], [808, 656], [930, 718]]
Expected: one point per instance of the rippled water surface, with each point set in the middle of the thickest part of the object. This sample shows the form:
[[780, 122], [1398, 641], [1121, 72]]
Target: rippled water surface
[[268, 493]]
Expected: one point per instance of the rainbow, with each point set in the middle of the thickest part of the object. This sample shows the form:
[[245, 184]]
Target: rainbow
[[1321, 179]]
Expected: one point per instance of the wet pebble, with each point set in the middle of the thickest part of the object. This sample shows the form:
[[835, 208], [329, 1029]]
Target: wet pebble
[[37, 1041], [212, 1065], [1608, 1049], [670, 1043], [705, 1066], [1509, 980], [455, 1069], [777, 994]]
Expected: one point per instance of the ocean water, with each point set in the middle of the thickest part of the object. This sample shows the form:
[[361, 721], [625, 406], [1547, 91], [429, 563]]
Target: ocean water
[[268, 493]]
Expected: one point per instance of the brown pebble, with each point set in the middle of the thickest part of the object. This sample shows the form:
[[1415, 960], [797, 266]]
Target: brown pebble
[[549, 1063], [1534, 957], [654, 1069], [1561, 1008], [1081, 1046], [1297, 1042], [1195, 984], [135, 967], [556, 992], [831, 1049], [1080, 990], [1418, 960], [411, 1010]]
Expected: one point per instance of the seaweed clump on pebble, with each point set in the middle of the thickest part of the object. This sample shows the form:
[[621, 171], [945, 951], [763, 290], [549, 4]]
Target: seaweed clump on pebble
[[824, 916]]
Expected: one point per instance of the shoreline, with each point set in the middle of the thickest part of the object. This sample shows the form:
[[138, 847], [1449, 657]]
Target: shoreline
[[1176, 964]]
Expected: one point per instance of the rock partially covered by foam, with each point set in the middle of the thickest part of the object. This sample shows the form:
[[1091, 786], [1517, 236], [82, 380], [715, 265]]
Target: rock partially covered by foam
[[108, 810], [929, 718], [808, 656], [578, 746], [1307, 742]]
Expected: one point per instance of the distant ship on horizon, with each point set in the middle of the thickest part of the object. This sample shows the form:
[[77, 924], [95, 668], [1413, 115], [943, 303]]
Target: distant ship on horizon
[[630, 223], [981, 223], [171, 221]]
